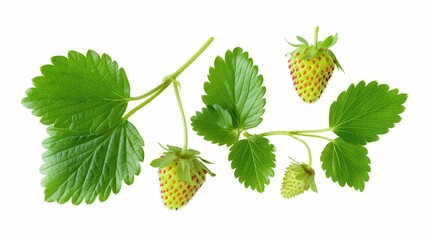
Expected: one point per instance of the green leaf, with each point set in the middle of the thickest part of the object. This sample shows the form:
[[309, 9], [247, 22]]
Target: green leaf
[[334, 40], [82, 167], [363, 112], [215, 125], [81, 93], [253, 160], [345, 162], [234, 85]]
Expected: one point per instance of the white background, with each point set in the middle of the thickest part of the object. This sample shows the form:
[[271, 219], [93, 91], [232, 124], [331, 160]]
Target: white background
[[385, 41]]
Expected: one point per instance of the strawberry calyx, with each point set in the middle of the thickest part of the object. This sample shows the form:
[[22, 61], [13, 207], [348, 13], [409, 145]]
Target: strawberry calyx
[[188, 164], [305, 51]]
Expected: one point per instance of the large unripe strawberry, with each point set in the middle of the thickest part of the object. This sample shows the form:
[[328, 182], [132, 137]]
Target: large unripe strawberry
[[180, 176], [311, 66], [298, 179]]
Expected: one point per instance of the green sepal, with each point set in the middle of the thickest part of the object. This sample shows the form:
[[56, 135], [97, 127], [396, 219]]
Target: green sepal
[[163, 161], [327, 42], [188, 163], [178, 151], [334, 40], [202, 166], [334, 58], [294, 44], [305, 53], [312, 184], [301, 39], [203, 160], [306, 173], [310, 53], [184, 170]]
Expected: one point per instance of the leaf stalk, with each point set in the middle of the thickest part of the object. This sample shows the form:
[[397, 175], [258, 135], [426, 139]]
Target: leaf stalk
[[304, 133], [155, 89], [141, 105]]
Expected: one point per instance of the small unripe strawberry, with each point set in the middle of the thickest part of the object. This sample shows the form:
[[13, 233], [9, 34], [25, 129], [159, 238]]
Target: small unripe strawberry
[[174, 192], [180, 176], [298, 179], [311, 66]]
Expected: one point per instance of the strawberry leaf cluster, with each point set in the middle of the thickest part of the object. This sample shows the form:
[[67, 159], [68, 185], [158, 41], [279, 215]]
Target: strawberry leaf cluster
[[234, 103], [358, 116]]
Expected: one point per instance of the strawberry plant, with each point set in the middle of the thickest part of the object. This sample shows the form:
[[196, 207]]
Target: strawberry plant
[[93, 148]]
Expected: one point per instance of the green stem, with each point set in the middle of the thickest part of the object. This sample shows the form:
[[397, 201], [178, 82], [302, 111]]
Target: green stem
[[138, 107], [167, 81], [311, 131], [294, 132], [291, 134], [315, 136], [150, 92], [316, 36], [246, 134], [195, 56], [273, 133], [310, 159], [182, 113], [304, 133]]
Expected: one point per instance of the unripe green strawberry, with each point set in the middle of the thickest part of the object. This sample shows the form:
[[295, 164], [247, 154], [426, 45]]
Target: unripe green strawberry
[[174, 192], [180, 176], [298, 179], [311, 66]]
